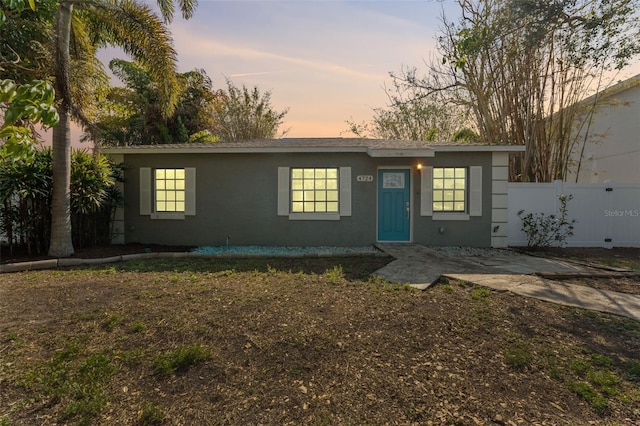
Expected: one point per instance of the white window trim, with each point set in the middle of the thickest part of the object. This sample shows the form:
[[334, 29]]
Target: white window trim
[[475, 191], [284, 189], [314, 216], [426, 191], [473, 203], [450, 216], [146, 196], [168, 215]]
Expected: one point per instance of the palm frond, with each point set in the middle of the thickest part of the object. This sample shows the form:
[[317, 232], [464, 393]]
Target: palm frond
[[88, 80], [142, 35], [167, 8]]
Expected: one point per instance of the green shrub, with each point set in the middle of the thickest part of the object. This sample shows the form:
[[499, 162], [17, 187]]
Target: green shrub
[[25, 199], [544, 231]]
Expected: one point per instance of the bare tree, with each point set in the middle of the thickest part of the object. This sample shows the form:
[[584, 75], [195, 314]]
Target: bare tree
[[411, 115], [522, 66]]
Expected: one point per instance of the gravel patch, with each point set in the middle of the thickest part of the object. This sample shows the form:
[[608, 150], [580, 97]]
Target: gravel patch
[[268, 251]]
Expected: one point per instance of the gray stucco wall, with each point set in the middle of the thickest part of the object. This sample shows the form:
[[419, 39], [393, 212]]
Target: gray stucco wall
[[236, 196], [475, 232]]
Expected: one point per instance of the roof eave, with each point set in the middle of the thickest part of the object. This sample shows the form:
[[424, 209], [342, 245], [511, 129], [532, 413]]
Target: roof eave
[[395, 153], [157, 149], [372, 152], [479, 148]]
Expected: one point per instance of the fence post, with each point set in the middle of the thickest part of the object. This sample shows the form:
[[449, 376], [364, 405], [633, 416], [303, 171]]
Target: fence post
[[607, 186]]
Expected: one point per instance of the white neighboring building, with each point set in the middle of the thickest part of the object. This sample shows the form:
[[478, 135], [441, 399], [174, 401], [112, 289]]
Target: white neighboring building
[[612, 149]]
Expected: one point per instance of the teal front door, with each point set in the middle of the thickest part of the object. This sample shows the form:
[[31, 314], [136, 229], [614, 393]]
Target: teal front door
[[394, 205]]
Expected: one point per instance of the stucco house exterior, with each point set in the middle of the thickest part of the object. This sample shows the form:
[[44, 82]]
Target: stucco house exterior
[[611, 149], [314, 192]]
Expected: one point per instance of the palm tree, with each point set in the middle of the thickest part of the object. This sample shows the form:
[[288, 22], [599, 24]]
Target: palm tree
[[137, 30]]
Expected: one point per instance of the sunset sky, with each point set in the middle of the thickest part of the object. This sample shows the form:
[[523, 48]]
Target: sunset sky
[[326, 61]]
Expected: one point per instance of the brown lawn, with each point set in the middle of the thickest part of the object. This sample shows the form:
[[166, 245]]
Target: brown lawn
[[301, 341]]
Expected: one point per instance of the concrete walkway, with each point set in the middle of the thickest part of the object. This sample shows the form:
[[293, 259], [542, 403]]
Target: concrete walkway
[[420, 266]]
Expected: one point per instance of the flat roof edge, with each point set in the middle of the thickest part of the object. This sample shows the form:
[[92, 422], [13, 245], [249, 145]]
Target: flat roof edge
[[428, 151], [479, 148], [235, 150], [395, 153]]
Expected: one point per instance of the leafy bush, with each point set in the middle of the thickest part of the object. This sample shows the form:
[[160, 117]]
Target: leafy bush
[[545, 230], [25, 199]]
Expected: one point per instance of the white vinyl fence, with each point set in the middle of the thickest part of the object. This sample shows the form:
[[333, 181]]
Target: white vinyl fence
[[607, 214]]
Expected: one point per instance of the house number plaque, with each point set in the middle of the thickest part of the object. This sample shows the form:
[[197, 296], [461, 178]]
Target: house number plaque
[[364, 178]]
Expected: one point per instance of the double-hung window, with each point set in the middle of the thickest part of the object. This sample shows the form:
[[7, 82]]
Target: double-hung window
[[169, 190], [451, 193], [314, 190], [167, 193], [449, 189], [314, 193]]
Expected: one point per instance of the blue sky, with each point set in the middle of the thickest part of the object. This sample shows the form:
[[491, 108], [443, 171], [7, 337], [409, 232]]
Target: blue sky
[[326, 61]]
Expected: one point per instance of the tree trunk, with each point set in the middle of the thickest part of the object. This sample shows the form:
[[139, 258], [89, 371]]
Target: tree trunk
[[61, 244]]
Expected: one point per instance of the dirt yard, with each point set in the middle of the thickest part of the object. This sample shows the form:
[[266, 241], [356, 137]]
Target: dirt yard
[[301, 341]]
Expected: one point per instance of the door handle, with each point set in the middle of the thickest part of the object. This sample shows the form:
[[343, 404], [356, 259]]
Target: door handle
[[408, 210]]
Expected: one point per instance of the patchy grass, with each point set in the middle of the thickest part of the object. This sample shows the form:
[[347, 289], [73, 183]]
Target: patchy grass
[[150, 415], [518, 355], [74, 377], [180, 359], [300, 341], [480, 293]]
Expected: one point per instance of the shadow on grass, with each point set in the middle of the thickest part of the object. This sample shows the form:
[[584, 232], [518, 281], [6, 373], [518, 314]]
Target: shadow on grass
[[354, 268]]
